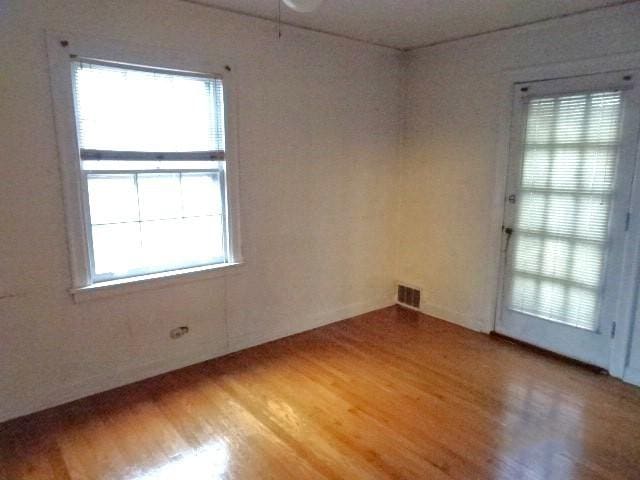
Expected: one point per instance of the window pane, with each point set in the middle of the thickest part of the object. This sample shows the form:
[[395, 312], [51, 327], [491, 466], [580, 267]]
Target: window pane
[[180, 223], [532, 211], [203, 239], [162, 244], [598, 169], [587, 263], [604, 121], [565, 168], [555, 258], [535, 170], [116, 248], [168, 244], [592, 221], [159, 195], [201, 194], [561, 214], [528, 253], [567, 182], [112, 198], [524, 293], [569, 118], [551, 299], [119, 108]]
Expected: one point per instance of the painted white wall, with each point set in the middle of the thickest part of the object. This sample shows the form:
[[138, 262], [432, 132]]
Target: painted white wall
[[454, 107], [318, 130]]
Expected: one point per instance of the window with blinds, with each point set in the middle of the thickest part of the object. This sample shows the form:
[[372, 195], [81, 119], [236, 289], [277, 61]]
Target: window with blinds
[[559, 239], [152, 151]]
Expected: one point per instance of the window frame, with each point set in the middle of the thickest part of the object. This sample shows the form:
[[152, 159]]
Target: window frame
[[63, 49]]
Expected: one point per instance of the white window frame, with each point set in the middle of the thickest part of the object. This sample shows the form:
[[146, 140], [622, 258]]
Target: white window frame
[[65, 48]]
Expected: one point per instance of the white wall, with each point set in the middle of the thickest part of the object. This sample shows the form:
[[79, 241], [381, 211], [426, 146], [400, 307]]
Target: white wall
[[454, 107], [318, 145]]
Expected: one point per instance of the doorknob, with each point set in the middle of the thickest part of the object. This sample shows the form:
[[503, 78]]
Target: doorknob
[[508, 231]]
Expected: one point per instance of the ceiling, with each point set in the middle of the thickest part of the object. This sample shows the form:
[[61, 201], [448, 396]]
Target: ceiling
[[406, 24]]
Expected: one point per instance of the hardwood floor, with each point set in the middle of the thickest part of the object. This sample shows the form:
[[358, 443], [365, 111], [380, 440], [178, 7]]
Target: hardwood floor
[[390, 394]]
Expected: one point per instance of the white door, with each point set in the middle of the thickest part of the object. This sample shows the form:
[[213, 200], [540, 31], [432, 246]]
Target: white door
[[573, 148]]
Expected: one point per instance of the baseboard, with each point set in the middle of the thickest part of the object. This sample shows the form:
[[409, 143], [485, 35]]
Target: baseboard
[[453, 317], [257, 338], [101, 383], [632, 375]]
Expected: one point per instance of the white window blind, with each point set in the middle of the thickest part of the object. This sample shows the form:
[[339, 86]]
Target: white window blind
[[141, 110], [567, 181], [152, 152]]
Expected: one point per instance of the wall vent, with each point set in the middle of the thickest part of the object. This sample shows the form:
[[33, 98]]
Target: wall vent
[[409, 296]]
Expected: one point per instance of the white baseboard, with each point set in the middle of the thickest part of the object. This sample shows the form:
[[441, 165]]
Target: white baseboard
[[453, 317], [101, 383], [75, 390], [632, 375], [315, 321]]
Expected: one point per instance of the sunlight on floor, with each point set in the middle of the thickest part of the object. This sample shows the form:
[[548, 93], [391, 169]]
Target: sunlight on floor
[[206, 463]]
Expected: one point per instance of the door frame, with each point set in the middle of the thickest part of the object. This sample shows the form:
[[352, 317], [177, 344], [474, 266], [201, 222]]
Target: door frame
[[625, 308]]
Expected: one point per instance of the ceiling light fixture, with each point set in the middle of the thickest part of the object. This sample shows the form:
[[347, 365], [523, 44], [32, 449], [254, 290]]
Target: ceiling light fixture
[[303, 6]]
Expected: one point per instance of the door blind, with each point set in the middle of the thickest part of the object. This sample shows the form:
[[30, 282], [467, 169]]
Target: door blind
[[567, 180]]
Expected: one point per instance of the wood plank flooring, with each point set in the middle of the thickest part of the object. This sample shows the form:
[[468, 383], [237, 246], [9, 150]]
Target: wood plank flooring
[[390, 394]]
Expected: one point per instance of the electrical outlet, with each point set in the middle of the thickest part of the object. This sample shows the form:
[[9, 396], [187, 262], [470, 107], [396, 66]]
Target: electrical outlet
[[178, 332]]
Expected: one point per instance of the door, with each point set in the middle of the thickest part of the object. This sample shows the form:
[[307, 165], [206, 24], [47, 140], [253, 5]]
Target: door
[[573, 148]]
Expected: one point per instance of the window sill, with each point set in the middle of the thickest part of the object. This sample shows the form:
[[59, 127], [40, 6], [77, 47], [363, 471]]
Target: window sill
[[154, 281]]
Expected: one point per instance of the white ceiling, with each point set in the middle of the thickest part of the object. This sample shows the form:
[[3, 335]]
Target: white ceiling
[[412, 23]]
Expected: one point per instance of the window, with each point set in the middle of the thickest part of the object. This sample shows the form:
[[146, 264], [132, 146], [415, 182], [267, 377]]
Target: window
[[152, 155], [150, 180], [566, 188]]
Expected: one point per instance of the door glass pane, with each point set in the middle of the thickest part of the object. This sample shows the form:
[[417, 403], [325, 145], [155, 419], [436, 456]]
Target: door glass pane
[[564, 200]]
